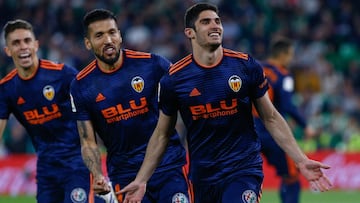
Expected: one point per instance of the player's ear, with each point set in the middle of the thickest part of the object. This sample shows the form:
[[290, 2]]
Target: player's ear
[[189, 33], [87, 43], [7, 51]]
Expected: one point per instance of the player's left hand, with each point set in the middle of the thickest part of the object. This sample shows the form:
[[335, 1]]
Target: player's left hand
[[312, 171], [134, 192]]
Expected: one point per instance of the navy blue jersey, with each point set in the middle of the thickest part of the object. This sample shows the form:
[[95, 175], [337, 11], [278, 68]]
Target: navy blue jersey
[[42, 105], [215, 104], [281, 90], [123, 107]]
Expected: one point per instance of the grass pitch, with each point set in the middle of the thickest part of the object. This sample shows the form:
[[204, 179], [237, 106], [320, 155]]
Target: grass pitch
[[269, 196], [333, 196]]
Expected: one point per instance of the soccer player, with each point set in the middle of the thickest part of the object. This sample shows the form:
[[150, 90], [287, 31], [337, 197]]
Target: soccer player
[[116, 97], [214, 89], [281, 87], [37, 93]]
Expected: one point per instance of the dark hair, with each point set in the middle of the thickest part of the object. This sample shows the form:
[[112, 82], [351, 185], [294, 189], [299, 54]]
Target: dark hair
[[96, 15], [192, 13], [280, 45], [13, 25]]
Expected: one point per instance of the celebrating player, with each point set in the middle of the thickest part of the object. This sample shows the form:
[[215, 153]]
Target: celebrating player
[[280, 92], [37, 93], [214, 89], [116, 96]]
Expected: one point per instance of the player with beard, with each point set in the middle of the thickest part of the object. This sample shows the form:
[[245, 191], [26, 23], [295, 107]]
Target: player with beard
[[116, 97]]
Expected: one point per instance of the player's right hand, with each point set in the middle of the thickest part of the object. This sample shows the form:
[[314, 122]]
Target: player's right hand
[[110, 197], [135, 192], [101, 185]]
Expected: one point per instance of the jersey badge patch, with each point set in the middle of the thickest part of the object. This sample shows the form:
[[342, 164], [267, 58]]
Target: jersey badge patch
[[235, 83], [78, 195], [179, 198], [137, 83], [249, 196], [49, 92]]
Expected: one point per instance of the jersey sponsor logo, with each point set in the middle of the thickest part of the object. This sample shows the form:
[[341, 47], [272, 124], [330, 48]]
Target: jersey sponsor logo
[[209, 110], [179, 198], [137, 83], [78, 195], [125, 111], [235, 83], [249, 196], [45, 114], [49, 92]]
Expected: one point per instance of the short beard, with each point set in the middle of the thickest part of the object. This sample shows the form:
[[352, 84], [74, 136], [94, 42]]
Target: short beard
[[110, 61], [213, 47]]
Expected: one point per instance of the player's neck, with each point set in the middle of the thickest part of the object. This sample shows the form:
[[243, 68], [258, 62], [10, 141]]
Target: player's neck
[[108, 68], [28, 72], [207, 57]]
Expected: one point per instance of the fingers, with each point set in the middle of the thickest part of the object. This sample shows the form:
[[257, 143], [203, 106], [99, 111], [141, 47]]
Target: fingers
[[101, 187], [322, 184]]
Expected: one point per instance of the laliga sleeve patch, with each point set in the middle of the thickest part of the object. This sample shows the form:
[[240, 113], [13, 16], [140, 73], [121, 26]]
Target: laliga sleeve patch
[[78, 195], [288, 84], [179, 197], [249, 196]]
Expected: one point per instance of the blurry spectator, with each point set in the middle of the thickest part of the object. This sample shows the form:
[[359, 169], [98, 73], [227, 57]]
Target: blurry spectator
[[16, 139]]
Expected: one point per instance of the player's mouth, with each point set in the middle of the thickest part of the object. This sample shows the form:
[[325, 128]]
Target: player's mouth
[[25, 57], [109, 50], [214, 35]]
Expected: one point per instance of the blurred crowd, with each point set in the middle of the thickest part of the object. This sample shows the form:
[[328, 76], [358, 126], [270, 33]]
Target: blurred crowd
[[326, 66]]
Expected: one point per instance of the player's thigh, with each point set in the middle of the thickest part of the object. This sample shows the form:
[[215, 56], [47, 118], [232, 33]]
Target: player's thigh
[[77, 187], [49, 190], [170, 186], [246, 189]]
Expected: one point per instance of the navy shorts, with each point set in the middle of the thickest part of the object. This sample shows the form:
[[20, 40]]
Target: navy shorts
[[245, 189], [165, 187], [65, 187]]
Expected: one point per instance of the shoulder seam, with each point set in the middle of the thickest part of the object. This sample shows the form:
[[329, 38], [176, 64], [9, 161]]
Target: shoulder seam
[[136, 54], [84, 72], [46, 64], [180, 64], [236, 54], [9, 76]]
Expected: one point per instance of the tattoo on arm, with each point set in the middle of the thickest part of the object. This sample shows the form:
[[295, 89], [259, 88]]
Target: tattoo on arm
[[89, 149]]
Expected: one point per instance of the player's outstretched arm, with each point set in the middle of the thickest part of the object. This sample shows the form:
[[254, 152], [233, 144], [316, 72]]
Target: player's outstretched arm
[[135, 191], [282, 134], [92, 156]]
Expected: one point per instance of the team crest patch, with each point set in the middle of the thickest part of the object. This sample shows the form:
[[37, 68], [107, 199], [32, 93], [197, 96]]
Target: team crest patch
[[137, 84], [235, 83], [49, 92], [179, 198], [249, 196], [78, 195]]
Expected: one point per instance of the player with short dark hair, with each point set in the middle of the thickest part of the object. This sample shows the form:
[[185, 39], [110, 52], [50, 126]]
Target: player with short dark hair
[[116, 96], [37, 93], [214, 89], [281, 87]]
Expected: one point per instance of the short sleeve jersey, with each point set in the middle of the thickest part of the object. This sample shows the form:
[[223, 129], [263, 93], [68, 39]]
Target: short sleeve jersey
[[123, 107], [215, 104], [42, 105]]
